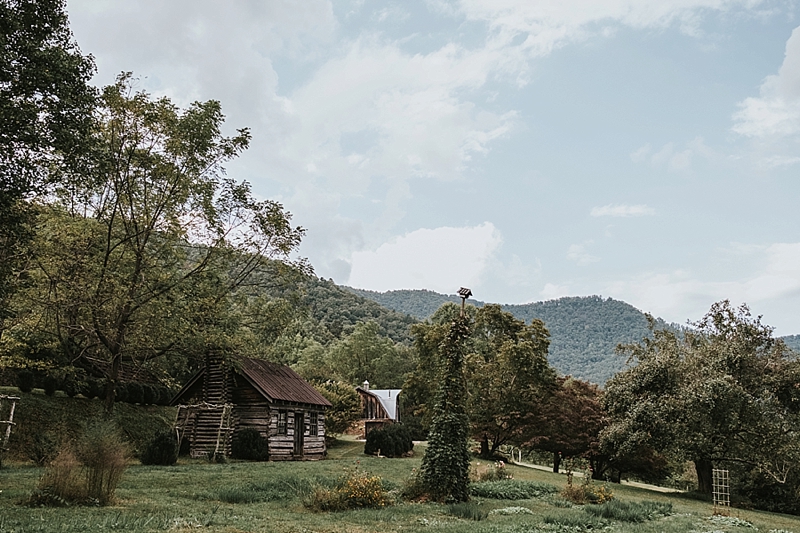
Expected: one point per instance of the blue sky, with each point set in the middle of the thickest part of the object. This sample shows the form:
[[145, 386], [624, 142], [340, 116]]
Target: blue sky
[[646, 151]]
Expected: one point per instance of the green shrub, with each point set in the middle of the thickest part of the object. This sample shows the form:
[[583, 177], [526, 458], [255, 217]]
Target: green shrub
[[50, 384], [70, 387], [511, 489], [135, 392], [95, 388], [630, 511], [121, 392], [25, 380], [165, 395], [467, 510], [586, 492], [149, 394], [162, 449], [393, 440], [250, 445]]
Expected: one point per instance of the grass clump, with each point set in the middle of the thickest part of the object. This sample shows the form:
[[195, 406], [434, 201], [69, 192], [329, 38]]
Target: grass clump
[[730, 521], [355, 490], [572, 521], [630, 511], [467, 511], [510, 489], [509, 511], [277, 488]]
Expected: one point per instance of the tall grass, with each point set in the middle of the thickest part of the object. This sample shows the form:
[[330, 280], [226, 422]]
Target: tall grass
[[87, 473], [630, 511], [467, 510], [510, 489], [281, 487], [62, 482], [104, 456]]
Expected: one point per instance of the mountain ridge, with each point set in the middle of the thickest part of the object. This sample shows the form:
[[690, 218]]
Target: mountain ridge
[[584, 330]]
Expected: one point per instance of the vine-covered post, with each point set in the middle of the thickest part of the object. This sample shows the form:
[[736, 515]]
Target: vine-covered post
[[445, 466]]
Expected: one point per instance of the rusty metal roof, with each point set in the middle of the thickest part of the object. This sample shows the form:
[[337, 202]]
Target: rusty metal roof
[[278, 382]]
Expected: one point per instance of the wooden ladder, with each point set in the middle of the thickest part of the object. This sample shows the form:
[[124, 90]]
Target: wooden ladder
[[7, 423]]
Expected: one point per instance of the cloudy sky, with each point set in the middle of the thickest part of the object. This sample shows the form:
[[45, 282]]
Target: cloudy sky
[[646, 151]]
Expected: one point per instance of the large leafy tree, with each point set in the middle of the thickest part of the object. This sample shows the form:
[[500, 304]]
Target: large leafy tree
[[506, 369], [724, 391], [508, 376], [365, 354], [144, 253], [46, 117], [569, 420]]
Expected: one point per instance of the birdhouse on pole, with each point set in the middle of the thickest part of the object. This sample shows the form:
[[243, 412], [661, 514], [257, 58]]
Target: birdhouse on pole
[[464, 293]]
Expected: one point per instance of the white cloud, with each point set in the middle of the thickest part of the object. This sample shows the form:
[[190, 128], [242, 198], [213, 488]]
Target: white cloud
[[407, 112], [776, 112], [579, 254], [548, 24], [675, 159], [440, 259], [622, 210], [552, 291], [678, 295]]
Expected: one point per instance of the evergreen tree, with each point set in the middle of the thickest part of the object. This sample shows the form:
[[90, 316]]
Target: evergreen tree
[[445, 466]]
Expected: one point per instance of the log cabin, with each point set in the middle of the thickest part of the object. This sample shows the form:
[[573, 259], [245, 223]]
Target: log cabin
[[226, 397]]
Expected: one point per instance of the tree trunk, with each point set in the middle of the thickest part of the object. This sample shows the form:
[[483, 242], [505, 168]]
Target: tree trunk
[[111, 384], [485, 447], [598, 466], [556, 461], [704, 469]]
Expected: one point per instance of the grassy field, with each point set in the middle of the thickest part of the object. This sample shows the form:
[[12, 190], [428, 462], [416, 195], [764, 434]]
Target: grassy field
[[197, 497]]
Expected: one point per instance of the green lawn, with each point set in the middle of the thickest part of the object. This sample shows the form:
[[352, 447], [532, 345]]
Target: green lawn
[[192, 497]]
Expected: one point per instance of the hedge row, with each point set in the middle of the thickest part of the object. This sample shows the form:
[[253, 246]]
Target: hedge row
[[129, 392]]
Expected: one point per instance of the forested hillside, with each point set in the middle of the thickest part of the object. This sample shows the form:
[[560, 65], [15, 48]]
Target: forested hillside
[[793, 342], [420, 303], [584, 331], [339, 310]]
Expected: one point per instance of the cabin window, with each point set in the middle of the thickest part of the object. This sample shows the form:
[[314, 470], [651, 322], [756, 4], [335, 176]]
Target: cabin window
[[314, 430], [281, 422]]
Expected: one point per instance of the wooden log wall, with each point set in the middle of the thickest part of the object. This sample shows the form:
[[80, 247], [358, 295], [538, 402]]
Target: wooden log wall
[[254, 411]]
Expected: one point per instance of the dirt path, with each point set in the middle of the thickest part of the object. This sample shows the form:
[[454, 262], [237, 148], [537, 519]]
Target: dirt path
[[636, 484]]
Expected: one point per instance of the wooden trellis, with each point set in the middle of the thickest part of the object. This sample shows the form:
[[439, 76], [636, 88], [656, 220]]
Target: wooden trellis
[[8, 405], [721, 490]]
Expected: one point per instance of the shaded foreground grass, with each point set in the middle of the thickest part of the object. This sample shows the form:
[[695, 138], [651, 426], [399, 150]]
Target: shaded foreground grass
[[268, 497]]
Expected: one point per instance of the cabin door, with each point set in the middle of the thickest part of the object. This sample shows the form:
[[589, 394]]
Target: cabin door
[[299, 431]]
